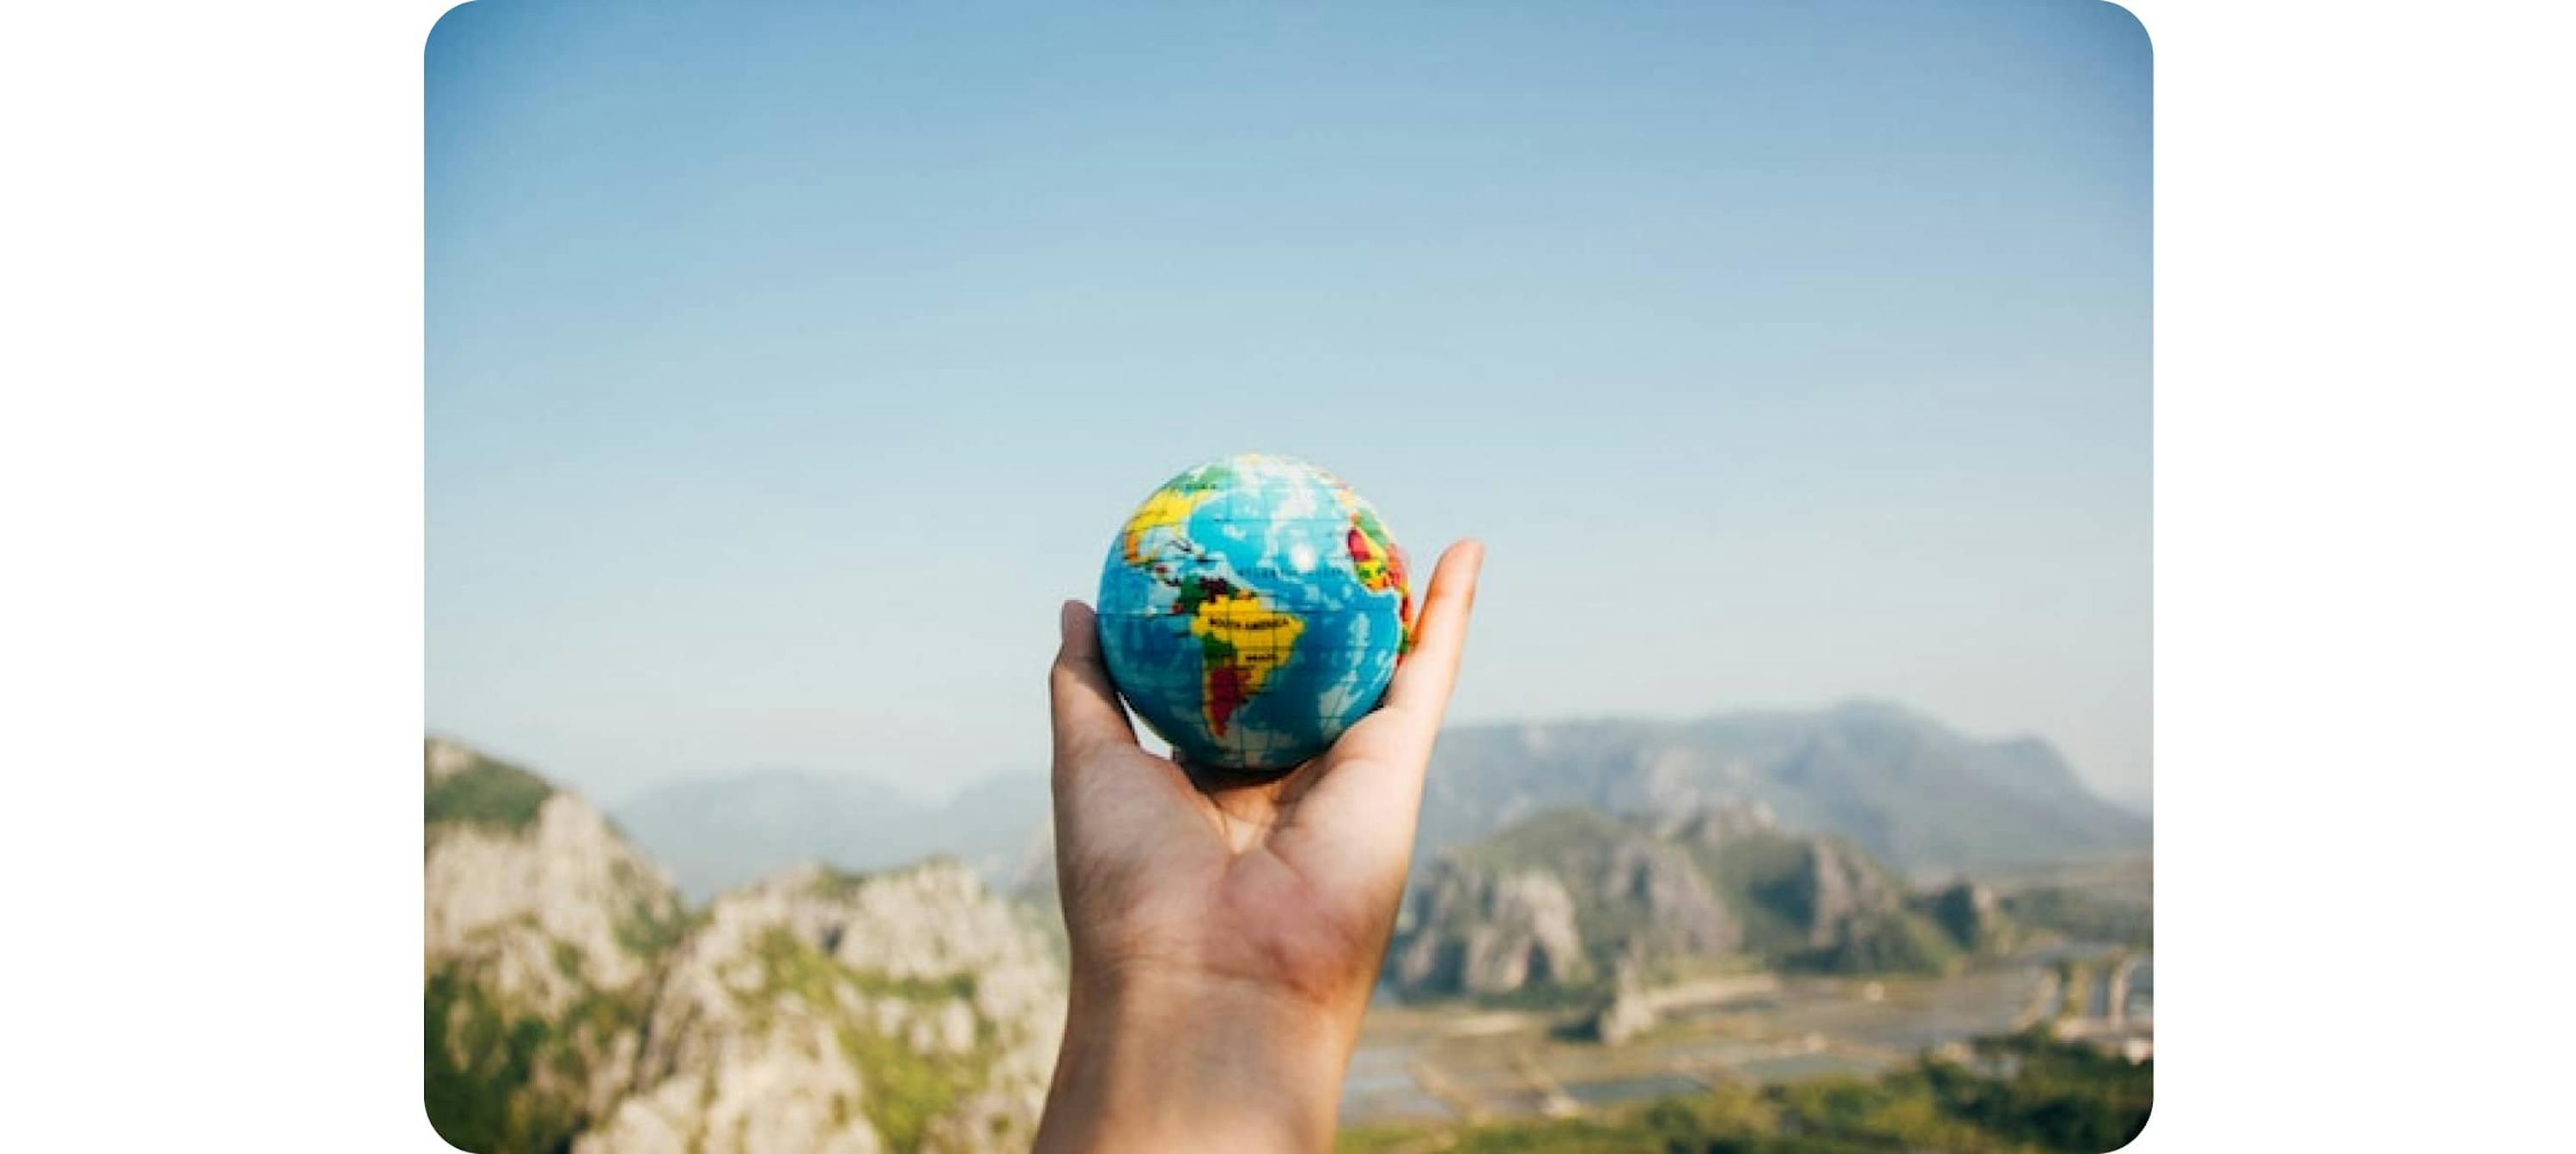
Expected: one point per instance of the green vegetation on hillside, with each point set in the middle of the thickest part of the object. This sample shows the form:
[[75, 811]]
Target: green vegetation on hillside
[[488, 793], [474, 1103], [1884, 942], [2020, 1094], [1776, 899], [504, 1081], [904, 1089], [653, 919], [2083, 915], [1768, 895], [1550, 839]]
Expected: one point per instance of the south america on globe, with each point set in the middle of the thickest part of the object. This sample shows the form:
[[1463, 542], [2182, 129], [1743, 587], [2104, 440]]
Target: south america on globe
[[1251, 610]]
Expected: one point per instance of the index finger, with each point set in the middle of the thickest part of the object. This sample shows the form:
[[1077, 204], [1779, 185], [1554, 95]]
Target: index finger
[[1423, 680]]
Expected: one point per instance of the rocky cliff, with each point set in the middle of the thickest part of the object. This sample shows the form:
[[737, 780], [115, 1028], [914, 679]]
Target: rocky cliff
[[543, 930], [574, 1003], [1571, 897], [1496, 933], [824, 1011]]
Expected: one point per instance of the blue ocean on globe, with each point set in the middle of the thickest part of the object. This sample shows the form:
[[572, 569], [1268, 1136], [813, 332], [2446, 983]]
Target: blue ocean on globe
[[1251, 610]]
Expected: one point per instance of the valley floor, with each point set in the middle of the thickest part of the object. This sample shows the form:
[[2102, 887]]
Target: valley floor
[[1466, 1064]]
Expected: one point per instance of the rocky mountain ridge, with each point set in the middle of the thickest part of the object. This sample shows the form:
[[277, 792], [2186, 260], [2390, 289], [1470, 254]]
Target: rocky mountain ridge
[[1573, 899], [574, 1002]]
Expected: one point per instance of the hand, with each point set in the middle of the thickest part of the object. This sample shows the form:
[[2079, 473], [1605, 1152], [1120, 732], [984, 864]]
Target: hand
[[1226, 932]]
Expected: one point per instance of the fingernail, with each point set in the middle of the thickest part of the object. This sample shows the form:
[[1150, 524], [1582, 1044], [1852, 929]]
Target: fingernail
[[1065, 616]]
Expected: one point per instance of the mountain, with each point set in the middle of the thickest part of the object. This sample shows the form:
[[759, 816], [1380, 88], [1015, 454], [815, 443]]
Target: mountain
[[1572, 898], [543, 933], [1913, 793], [826, 1011], [573, 1002], [716, 833]]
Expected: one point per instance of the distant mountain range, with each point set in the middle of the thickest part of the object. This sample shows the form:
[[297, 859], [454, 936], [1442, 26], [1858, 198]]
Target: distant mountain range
[[1914, 793], [1910, 792]]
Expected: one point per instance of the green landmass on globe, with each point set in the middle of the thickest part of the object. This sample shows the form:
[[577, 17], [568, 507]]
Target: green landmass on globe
[[1253, 608]]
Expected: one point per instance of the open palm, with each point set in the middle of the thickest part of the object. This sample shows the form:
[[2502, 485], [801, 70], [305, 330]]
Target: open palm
[[1285, 884]]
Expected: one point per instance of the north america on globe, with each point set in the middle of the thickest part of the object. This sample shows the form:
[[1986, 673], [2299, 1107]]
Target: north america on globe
[[1252, 609]]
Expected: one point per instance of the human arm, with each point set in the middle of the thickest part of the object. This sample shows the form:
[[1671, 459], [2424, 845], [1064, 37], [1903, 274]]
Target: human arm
[[1226, 932]]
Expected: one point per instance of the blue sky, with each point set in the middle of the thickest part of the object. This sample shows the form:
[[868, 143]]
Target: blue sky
[[789, 362]]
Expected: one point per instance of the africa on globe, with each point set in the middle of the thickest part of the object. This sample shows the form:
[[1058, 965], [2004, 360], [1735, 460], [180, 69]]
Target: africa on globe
[[1251, 610]]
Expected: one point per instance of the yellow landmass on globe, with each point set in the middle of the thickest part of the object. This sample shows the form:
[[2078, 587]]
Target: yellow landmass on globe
[[1168, 508], [1242, 642]]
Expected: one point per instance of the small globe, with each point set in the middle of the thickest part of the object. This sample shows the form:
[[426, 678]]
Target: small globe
[[1251, 610]]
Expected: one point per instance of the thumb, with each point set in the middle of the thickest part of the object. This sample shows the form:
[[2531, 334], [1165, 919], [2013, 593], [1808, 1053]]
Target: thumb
[[1082, 703]]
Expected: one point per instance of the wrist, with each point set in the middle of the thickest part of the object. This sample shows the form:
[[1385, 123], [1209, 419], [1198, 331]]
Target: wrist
[[1156, 1060]]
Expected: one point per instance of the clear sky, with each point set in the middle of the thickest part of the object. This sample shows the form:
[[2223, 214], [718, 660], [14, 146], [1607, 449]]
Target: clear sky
[[789, 362]]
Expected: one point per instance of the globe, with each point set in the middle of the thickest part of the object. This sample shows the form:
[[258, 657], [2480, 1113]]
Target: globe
[[1251, 610]]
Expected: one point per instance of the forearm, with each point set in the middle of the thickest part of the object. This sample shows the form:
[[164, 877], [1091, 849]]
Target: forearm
[[1194, 1064]]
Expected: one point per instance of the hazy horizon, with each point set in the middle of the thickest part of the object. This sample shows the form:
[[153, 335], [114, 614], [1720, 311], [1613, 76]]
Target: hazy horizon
[[936, 793], [787, 363]]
